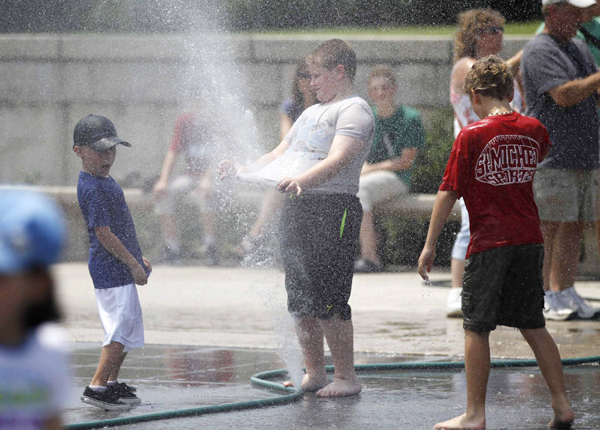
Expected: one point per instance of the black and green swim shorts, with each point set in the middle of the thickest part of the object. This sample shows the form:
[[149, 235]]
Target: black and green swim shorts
[[319, 242]]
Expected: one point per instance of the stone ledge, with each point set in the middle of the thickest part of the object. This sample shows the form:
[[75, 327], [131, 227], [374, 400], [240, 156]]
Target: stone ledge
[[412, 206], [268, 48]]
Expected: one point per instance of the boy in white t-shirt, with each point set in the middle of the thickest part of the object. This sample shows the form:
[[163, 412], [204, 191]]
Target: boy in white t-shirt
[[34, 368], [325, 151]]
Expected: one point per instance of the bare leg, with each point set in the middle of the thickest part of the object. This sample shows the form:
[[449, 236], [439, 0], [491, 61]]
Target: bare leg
[[169, 228], [207, 196], [114, 375], [457, 271], [477, 370], [310, 336], [111, 359], [453, 301], [368, 239], [271, 203], [549, 230], [565, 255], [209, 224], [340, 338], [548, 358]]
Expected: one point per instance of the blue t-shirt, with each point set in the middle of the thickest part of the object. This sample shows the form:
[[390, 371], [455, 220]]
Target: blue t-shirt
[[573, 130], [102, 204], [292, 109]]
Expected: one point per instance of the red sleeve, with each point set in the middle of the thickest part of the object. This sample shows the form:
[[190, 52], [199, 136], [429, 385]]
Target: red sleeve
[[178, 130], [544, 145], [456, 174]]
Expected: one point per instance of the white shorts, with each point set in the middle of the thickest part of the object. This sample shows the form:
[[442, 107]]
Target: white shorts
[[181, 187], [121, 316], [379, 186], [203, 192], [459, 250]]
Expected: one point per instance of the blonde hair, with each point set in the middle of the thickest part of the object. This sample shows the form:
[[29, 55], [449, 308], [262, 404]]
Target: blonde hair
[[470, 25], [490, 77], [382, 72], [332, 53]]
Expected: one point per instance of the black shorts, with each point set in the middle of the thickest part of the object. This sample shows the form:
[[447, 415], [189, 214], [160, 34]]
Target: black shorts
[[319, 242], [504, 286]]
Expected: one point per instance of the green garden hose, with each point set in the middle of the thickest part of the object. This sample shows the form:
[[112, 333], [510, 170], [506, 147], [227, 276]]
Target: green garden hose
[[262, 380]]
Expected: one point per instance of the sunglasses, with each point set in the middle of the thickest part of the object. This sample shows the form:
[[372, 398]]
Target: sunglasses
[[492, 30]]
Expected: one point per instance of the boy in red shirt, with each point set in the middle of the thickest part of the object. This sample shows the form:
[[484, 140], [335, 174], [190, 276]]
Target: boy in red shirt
[[491, 166]]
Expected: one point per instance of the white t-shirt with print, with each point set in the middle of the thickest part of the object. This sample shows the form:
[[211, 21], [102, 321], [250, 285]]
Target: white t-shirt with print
[[311, 137], [34, 379]]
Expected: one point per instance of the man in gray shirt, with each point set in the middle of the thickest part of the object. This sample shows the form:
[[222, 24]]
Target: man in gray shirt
[[561, 90]]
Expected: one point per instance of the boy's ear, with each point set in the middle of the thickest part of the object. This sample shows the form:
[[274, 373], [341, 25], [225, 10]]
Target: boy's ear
[[77, 150], [474, 97], [340, 69]]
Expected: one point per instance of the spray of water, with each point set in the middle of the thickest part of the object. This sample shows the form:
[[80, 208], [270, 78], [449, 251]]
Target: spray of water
[[219, 86], [288, 347]]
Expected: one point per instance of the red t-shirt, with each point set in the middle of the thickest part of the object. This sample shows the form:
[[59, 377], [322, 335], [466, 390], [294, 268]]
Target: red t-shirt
[[189, 139], [491, 166]]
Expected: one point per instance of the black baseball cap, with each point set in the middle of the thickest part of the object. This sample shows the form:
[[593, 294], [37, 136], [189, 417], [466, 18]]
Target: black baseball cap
[[97, 132]]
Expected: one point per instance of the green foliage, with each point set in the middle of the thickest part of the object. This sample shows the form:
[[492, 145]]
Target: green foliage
[[431, 162], [181, 16]]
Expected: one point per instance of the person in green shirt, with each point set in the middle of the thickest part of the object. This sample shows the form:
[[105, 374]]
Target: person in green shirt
[[387, 172]]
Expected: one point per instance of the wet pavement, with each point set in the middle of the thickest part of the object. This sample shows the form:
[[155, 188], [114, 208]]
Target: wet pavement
[[179, 377], [209, 329]]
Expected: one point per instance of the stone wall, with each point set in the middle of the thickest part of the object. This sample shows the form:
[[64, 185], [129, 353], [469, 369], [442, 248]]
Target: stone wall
[[48, 82]]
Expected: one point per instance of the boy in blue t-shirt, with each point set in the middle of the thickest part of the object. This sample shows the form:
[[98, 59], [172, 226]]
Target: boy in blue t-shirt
[[116, 263]]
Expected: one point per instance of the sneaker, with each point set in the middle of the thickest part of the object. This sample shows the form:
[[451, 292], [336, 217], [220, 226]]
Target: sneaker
[[584, 309], [125, 394], [107, 399], [454, 303], [128, 387], [363, 265], [555, 309]]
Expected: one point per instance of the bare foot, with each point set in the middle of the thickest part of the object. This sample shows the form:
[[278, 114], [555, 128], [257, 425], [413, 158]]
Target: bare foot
[[562, 420], [341, 387], [310, 383], [462, 423]]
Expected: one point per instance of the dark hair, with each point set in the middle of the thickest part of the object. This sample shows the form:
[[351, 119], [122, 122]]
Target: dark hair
[[470, 25], [334, 52], [47, 310], [490, 77], [300, 73]]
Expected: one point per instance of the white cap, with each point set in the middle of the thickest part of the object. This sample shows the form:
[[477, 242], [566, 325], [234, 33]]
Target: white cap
[[576, 3]]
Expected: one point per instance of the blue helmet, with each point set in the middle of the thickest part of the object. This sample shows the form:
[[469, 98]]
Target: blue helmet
[[32, 231]]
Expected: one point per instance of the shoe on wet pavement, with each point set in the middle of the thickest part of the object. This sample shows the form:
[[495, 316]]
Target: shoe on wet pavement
[[107, 399], [556, 310]]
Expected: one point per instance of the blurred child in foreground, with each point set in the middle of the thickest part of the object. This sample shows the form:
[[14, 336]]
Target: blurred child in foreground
[[34, 374]]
